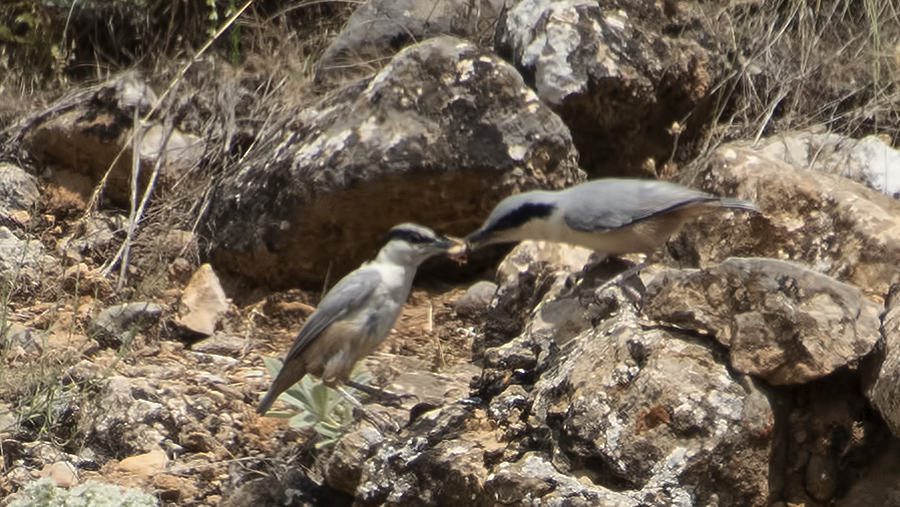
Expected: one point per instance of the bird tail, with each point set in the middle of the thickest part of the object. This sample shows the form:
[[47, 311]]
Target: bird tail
[[288, 376], [733, 203]]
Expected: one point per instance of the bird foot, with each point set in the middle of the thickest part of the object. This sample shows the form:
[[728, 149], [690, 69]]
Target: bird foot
[[623, 276], [381, 422], [385, 398]]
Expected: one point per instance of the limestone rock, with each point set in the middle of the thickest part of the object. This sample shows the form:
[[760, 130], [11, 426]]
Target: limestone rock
[[344, 467], [63, 473], [93, 237], [379, 28], [870, 160], [831, 224], [780, 321], [123, 420], [534, 476], [25, 260], [19, 192], [884, 392], [114, 325], [203, 302], [146, 465], [90, 128], [656, 414], [605, 68], [628, 414], [444, 122]]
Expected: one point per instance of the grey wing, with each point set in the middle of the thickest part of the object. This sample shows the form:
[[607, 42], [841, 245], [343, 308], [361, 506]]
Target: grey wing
[[613, 203], [348, 296]]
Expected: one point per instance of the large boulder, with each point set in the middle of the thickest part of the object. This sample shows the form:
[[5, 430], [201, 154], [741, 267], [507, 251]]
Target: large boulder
[[441, 134], [379, 28], [620, 74], [780, 321], [826, 222]]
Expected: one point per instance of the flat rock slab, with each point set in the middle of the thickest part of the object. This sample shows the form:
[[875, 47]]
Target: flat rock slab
[[781, 321]]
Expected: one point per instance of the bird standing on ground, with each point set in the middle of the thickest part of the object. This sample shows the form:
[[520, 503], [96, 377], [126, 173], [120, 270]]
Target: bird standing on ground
[[359, 312], [610, 216]]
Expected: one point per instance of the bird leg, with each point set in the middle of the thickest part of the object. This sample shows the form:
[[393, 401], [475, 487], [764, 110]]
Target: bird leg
[[633, 270], [387, 398], [380, 422]]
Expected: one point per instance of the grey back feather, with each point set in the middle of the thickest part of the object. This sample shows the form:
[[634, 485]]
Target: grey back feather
[[613, 203]]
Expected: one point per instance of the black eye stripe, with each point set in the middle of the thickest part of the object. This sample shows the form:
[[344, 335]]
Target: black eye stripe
[[521, 215], [408, 235]]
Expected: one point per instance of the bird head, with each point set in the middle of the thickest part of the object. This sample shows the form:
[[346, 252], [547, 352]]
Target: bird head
[[411, 244], [515, 219]]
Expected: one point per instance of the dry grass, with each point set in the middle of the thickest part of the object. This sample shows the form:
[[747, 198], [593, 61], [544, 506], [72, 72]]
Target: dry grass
[[800, 63]]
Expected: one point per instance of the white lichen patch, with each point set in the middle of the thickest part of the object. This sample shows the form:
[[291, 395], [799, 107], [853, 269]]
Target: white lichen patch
[[517, 152], [465, 69]]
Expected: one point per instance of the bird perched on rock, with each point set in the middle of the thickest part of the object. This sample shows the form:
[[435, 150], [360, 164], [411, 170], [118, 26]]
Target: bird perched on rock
[[610, 216], [359, 312]]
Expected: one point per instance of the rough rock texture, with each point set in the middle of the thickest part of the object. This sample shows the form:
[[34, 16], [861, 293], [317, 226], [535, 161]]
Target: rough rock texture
[[884, 391], [25, 262], [870, 160], [621, 74], [600, 412], [19, 192], [780, 321], [630, 416], [444, 122], [828, 223], [93, 237], [203, 302], [84, 133], [379, 28]]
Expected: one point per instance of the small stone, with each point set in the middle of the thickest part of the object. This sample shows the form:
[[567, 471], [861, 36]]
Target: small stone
[[114, 323], [203, 302], [476, 299], [221, 344], [180, 270], [146, 465], [63, 473], [19, 192]]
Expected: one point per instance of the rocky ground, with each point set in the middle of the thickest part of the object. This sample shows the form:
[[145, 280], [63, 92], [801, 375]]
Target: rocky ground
[[163, 229]]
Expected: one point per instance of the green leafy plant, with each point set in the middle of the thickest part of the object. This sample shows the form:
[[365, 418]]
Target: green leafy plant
[[322, 408], [44, 493]]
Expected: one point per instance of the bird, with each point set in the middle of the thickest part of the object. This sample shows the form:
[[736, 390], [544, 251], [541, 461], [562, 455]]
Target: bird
[[612, 216], [357, 314]]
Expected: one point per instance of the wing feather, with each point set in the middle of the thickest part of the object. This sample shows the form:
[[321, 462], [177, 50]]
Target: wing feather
[[347, 297], [613, 203]]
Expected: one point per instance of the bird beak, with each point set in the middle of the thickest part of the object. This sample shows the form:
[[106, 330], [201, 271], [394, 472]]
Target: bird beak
[[457, 249], [477, 240]]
